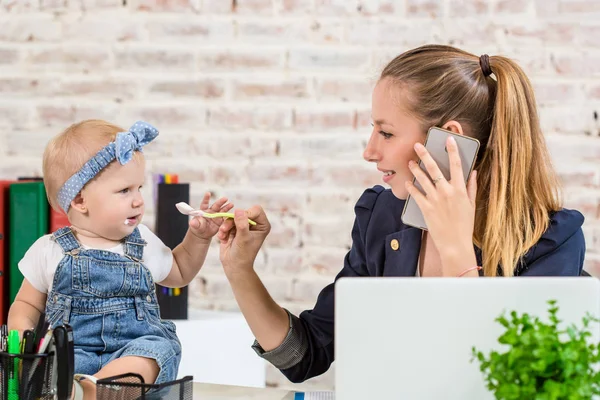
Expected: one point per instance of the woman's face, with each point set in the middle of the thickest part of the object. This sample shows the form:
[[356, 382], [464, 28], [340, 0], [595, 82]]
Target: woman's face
[[395, 132]]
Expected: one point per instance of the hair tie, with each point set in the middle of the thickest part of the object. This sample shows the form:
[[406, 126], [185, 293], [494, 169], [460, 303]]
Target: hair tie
[[484, 63]]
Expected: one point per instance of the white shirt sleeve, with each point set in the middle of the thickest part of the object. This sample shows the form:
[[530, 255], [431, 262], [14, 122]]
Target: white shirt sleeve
[[40, 261], [158, 258]]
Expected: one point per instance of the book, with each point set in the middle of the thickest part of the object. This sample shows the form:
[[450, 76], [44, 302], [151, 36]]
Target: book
[[171, 227], [58, 219], [28, 221], [4, 237], [319, 395]]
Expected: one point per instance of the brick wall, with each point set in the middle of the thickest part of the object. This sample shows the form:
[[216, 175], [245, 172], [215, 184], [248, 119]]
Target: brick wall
[[267, 101]]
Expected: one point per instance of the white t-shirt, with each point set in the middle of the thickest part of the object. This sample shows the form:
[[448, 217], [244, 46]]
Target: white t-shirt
[[42, 258]]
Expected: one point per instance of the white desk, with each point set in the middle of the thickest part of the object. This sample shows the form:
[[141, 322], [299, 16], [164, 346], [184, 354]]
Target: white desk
[[207, 391]]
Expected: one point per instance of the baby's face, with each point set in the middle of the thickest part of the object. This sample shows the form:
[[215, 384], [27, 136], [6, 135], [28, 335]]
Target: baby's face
[[114, 202]]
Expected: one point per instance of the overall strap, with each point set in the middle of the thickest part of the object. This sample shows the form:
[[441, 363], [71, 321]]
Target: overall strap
[[134, 245], [66, 239]]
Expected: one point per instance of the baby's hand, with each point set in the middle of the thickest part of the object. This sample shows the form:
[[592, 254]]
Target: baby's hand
[[206, 228]]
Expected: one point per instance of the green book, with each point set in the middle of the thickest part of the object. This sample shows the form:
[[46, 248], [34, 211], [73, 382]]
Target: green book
[[28, 221]]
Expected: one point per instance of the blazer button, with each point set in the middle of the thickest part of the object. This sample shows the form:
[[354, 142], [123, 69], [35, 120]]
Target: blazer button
[[395, 244]]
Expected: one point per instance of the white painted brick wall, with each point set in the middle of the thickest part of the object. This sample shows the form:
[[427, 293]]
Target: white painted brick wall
[[267, 101]]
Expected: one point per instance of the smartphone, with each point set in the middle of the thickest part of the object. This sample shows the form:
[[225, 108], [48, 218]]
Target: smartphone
[[435, 143]]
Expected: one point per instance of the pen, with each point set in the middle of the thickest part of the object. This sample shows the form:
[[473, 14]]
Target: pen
[[34, 379], [28, 344], [43, 344], [13, 371], [40, 329], [4, 337]]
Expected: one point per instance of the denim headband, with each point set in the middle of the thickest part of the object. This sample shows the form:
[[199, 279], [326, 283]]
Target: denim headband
[[125, 144]]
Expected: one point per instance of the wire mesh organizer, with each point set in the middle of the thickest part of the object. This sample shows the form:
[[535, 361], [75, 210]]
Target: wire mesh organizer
[[131, 386], [27, 376]]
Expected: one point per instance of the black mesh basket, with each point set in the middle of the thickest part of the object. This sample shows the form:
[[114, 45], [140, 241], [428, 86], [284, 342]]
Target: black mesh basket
[[132, 387], [27, 376]]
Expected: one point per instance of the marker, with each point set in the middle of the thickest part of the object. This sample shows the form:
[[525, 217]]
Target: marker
[[28, 343], [14, 347]]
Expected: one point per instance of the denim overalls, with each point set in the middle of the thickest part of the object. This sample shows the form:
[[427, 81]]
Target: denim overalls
[[110, 302]]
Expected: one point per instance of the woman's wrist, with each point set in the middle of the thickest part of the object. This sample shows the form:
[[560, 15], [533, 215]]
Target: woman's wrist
[[239, 271], [455, 263], [471, 271]]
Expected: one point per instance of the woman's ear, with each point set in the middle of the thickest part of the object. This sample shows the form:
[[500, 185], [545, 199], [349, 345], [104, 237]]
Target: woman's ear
[[454, 127], [78, 204]]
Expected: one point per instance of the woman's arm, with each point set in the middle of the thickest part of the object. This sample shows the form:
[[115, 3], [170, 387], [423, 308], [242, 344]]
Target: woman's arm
[[300, 347], [239, 246], [268, 322]]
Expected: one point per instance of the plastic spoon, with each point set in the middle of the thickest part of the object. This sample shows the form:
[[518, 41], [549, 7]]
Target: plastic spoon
[[186, 209]]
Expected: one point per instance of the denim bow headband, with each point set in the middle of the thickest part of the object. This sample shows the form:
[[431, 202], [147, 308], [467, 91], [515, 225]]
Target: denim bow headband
[[125, 144]]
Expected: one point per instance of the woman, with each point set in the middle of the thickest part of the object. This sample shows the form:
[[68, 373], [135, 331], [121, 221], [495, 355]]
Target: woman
[[506, 221]]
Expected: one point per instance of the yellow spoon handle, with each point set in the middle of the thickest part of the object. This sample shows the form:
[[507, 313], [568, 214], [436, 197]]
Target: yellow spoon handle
[[224, 215]]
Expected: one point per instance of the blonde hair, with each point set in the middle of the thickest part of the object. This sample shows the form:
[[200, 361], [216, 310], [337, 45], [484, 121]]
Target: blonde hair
[[517, 185], [67, 152]]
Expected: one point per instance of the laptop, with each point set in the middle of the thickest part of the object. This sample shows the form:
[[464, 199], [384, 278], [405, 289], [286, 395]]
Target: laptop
[[407, 338]]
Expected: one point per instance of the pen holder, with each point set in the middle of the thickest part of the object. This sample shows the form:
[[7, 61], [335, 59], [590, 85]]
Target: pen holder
[[27, 376], [130, 386]]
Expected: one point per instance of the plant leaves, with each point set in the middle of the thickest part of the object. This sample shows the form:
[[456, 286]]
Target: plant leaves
[[542, 361]]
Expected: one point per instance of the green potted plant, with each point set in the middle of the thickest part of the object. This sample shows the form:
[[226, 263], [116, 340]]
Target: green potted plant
[[543, 361]]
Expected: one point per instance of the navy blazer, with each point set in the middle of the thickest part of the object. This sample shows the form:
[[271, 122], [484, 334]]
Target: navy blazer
[[559, 252]]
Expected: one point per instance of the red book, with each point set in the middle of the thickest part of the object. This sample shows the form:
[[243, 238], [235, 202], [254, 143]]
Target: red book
[[4, 185], [58, 219]]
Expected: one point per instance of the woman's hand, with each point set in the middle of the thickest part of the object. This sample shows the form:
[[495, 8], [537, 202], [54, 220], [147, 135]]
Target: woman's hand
[[206, 228], [241, 242], [448, 208]]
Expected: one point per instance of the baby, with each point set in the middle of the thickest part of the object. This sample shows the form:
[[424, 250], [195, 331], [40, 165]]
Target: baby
[[98, 274]]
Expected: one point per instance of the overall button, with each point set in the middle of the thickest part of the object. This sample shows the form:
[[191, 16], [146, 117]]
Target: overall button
[[148, 299]]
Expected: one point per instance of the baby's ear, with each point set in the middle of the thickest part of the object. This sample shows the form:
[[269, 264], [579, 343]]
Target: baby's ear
[[78, 204]]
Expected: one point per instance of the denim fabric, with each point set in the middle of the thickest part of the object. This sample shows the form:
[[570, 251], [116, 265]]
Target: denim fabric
[[110, 302]]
